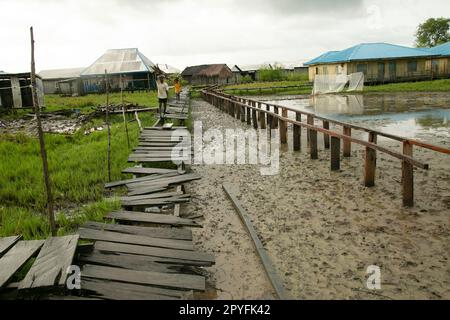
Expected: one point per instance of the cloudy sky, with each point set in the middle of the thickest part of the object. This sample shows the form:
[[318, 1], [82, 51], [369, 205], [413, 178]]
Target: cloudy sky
[[74, 33]]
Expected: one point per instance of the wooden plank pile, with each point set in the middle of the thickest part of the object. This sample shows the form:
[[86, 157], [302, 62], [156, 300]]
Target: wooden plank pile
[[158, 144]]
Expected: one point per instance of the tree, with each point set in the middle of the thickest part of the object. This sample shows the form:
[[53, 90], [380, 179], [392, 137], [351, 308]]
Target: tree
[[433, 32]]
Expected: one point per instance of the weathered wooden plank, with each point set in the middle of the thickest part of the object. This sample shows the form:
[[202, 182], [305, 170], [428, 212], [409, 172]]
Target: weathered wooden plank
[[176, 179], [112, 290], [6, 243], [141, 179], [130, 261], [277, 283], [154, 196], [50, 266], [205, 258], [110, 236], [137, 158], [326, 137], [143, 217], [154, 232], [176, 208], [156, 202], [16, 257], [140, 170], [283, 127], [169, 280], [148, 190]]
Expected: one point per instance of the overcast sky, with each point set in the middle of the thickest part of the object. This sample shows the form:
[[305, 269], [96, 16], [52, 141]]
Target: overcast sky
[[74, 33]]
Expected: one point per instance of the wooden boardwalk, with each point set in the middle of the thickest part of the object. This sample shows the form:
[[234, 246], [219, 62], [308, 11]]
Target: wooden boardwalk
[[133, 254]]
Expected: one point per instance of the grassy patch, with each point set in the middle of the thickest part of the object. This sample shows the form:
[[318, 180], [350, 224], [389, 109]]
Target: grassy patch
[[78, 170], [265, 88], [56, 102], [420, 86]]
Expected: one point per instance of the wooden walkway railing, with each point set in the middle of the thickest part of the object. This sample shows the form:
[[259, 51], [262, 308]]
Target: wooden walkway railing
[[272, 116]]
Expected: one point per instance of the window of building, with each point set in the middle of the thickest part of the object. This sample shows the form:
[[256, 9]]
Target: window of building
[[412, 66], [317, 70], [361, 67]]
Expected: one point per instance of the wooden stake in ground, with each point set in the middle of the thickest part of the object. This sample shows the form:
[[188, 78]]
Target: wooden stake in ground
[[123, 112], [107, 125], [36, 107]]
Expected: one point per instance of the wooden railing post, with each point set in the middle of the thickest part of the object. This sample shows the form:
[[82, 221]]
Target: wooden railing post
[[254, 116], [309, 120], [297, 132], [275, 110], [347, 143], [249, 114], [238, 110], [408, 176], [269, 121], [262, 117], [326, 137], [283, 126], [370, 162], [335, 153]]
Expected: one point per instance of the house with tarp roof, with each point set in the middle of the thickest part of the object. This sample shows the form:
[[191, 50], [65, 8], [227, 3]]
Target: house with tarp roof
[[126, 68], [380, 63]]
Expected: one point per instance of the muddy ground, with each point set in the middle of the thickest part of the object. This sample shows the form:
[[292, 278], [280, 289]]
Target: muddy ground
[[323, 229]]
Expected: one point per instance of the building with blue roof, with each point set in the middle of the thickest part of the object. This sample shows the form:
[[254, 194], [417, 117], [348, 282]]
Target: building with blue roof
[[384, 62]]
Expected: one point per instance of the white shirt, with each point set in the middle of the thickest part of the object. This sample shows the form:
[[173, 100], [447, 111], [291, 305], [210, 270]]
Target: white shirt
[[162, 89]]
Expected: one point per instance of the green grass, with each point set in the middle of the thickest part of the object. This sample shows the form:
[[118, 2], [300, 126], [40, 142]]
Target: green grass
[[420, 86], [239, 89], [78, 170], [85, 103]]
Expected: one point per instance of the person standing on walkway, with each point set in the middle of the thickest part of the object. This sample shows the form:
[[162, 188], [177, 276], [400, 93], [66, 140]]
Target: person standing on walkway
[[177, 88], [163, 94]]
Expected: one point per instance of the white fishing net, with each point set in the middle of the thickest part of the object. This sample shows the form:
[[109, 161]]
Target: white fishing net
[[330, 83]]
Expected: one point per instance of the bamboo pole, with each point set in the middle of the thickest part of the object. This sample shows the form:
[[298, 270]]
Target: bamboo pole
[[108, 126], [123, 112], [47, 181]]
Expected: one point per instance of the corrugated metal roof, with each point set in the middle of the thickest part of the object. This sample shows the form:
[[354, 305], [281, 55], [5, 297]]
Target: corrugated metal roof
[[117, 61], [370, 51], [61, 73], [443, 49], [164, 67]]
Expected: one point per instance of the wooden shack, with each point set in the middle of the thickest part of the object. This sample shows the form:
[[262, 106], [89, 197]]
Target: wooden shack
[[62, 81], [208, 74], [15, 91], [440, 63]]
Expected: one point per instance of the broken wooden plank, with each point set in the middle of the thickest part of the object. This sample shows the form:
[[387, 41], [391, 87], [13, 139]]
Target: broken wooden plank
[[173, 254], [154, 196], [275, 280], [129, 261], [50, 266], [91, 234], [156, 202], [148, 190], [6, 243], [168, 280], [155, 232], [141, 179], [16, 257], [176, 208], [163, 180], [147, 159], [144, 217], [112, 290]]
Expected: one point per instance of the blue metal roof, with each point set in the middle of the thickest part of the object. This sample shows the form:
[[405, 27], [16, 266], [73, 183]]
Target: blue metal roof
[[370, 51], [442, 50]]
